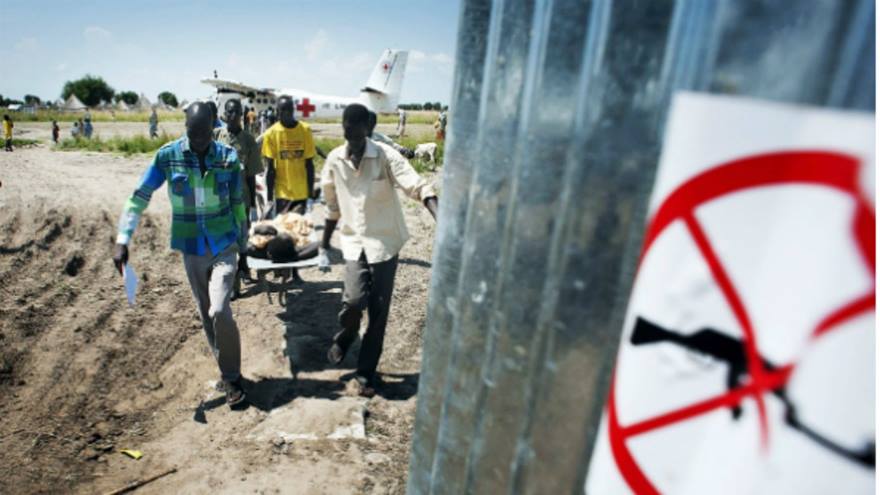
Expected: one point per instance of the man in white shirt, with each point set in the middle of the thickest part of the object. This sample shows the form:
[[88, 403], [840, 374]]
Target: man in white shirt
[[359, 180], [401, 122]]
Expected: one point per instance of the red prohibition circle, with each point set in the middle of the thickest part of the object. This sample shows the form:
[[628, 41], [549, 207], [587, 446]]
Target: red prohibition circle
[[821, 168]]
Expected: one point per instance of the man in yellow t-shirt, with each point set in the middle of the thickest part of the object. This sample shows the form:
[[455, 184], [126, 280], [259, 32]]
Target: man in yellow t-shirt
[[7, 132], [289, 149]]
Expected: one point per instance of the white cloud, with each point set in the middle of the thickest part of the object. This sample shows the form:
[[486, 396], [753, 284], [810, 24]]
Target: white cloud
[[26, 45], [61, 67], [316, 45], [97, 34]]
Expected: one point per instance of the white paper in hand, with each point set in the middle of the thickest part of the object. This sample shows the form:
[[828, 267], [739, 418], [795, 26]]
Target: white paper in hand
[[131, 282]]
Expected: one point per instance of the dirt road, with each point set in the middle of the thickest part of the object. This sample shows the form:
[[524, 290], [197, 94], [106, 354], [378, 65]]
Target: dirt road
[[83, 375]]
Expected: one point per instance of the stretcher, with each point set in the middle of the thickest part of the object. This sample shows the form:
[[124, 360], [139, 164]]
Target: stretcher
[[285, 272]]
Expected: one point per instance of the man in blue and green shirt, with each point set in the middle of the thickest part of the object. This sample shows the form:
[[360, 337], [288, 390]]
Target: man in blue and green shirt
[[207, 226]]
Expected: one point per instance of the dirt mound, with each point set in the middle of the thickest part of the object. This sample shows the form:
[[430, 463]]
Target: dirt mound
[[83, 375], [69, 348]]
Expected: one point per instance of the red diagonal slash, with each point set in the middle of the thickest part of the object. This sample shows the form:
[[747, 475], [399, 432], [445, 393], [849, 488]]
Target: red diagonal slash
[[820, 168]]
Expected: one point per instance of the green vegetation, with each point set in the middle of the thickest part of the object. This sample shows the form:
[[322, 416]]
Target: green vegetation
[[4, 102], [129, 97], [422, 166], [97, 116], [24, 143], [168, 98], [423, 106], [412, 117], [91, 90], [328, 144], [124, 145]]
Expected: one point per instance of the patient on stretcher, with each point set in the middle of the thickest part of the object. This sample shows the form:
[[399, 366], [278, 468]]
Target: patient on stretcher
[[287, 238]]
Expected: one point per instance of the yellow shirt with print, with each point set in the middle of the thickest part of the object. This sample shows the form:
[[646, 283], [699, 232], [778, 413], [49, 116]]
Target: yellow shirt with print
[[7, 129], [290, 148]]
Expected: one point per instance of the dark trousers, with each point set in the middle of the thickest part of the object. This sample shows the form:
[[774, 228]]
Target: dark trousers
[[367, 286], [290, 206]]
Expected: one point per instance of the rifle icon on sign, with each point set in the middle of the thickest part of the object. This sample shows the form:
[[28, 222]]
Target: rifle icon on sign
[[731, 351]]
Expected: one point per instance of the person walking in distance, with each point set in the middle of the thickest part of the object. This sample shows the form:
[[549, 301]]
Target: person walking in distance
[[7, 131]]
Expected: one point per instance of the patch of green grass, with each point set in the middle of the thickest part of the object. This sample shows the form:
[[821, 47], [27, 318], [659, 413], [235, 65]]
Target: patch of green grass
[[125, 145], [412, 117], [97, 116], [24, 143], [327, 144], [422, 166]]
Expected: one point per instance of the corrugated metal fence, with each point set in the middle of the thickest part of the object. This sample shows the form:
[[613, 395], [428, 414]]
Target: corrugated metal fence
[[556, 123]]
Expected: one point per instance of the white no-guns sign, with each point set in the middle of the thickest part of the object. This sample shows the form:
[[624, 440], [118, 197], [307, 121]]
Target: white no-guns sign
[[746, 363]]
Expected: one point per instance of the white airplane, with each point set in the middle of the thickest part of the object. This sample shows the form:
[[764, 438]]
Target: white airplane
[[381, 93]]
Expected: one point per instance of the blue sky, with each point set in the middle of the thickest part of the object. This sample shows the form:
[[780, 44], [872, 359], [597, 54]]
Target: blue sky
[[324, 46]]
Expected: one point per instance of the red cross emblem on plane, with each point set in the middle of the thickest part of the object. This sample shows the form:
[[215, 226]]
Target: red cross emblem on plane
[[305, 107], [385, 66]]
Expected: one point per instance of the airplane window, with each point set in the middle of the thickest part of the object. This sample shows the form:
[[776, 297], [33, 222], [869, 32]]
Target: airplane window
[[325, 105]]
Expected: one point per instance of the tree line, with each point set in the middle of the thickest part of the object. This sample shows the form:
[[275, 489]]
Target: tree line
[[423, 106], [92, 91]]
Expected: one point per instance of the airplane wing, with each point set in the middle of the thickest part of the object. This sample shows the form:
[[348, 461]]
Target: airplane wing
[[224, 84]]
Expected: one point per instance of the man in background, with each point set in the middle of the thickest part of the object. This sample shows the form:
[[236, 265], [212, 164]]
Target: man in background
[[235, 136], [440, 125], [289, 150], [87, 126], [154, 124], [401, 122], [213, 105], [251, 120], [264, 122], [7, 131]]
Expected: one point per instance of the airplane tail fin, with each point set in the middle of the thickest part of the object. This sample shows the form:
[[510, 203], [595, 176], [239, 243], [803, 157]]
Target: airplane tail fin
[[382, 92]]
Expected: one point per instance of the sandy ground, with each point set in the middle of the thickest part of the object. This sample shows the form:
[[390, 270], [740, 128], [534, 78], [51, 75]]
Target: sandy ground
[[43, 130], [83, 375]]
